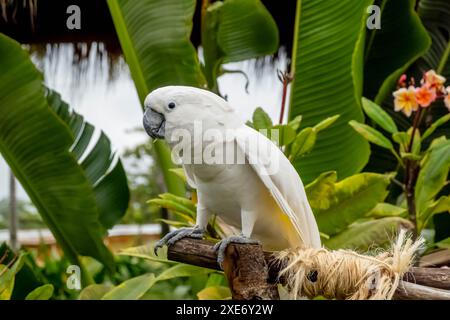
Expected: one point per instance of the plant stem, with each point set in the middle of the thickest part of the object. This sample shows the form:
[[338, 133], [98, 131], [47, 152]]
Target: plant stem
[[415, 125], [205, 5], [283, 102], [285, 78], [412, 171]]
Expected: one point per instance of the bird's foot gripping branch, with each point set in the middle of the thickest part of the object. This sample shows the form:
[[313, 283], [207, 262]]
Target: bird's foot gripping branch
[[255, 274]]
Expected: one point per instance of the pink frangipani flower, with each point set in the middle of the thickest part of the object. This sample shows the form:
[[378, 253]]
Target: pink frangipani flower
[[405, 100], [433, 80], [425, 95]]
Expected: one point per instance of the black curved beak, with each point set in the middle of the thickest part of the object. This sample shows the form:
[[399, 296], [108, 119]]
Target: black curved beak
[[154, 123]]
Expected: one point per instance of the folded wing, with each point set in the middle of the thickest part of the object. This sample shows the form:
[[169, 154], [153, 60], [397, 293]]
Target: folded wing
[[282, 180]]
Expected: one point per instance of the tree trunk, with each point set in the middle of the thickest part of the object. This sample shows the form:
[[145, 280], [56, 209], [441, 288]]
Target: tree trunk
[[13, 219]]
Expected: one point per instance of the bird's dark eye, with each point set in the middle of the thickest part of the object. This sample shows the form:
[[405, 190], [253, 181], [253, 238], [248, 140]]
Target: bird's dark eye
[[171, 105]]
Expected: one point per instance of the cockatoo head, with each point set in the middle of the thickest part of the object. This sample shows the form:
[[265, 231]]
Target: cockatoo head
[[179, 107]]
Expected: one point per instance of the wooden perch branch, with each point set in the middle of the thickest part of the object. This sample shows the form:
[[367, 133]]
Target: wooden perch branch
[[252, 274]]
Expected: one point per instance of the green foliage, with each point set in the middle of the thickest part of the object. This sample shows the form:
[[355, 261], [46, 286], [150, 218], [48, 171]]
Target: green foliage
[[445, 244], [296, 122], [102, 167], [432, 178], [305, 140], [154, 36], [152, 286], [179, 172], [94, 292], [214, 293], [285, 134], [432, 164], [379, 116], [135, 288], [148, 31], [432, 208], [303, 143], [327, 70], [261, 120], [297, 143], [367, 235], [184, 212], [322, 125], [319, 190], [245, 30], [435, 15], [178, 205], [44, 292], [11, 270], [336, 205], [7, 277], [406, 39], [402, 138], [131, 289], [47, 171], [439, 122], [433, 174], [146, 252], [235, 30], [387, 210], [371, 135]]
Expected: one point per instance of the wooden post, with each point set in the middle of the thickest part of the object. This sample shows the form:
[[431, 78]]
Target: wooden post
[[13, 218], [248, 274], [412, 291], [252, 274], [432, 277]]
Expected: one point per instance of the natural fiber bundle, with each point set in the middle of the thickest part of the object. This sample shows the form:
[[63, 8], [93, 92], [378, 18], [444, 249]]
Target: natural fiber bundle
[[345, 274]]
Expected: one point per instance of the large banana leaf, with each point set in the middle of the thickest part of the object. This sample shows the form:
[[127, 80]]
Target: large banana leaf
[[336, 205], [102, 167], [327, 65], [390, 50], [154, 35], [435, 15], [236, 30], [35, 143]]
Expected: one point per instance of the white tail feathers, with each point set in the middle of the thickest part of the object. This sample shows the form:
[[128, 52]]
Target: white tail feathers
[[345, 274]]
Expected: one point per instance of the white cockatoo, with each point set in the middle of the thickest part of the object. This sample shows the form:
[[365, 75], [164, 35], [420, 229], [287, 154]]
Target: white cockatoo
[[240, 175]]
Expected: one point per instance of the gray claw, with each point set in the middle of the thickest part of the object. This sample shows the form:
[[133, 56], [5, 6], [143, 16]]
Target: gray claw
[[178, 234], [222, 245]]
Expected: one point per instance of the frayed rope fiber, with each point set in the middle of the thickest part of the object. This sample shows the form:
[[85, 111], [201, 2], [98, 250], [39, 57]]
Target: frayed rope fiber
[[345, 274]]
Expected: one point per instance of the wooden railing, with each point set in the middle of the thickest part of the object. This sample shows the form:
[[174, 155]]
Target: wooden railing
[[253, 274]]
